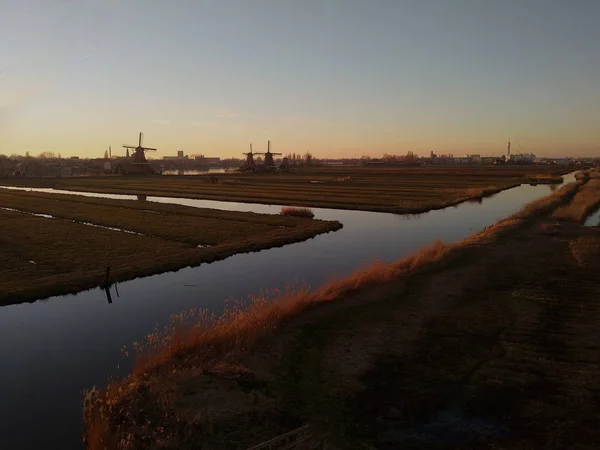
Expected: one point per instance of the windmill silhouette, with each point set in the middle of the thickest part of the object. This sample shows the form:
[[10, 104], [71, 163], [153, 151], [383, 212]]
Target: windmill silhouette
[[250, 165], [139, 155], [269, 162]]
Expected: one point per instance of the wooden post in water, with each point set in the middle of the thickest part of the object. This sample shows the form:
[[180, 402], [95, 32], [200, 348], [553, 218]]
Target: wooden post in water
[[107, 277]]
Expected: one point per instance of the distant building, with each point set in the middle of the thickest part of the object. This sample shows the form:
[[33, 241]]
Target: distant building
[[522, 157], [180, 156], [475, 159]]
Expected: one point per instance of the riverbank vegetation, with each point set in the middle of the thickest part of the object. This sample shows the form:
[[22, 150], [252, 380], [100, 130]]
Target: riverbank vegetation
[[395, 190], [54, 244], [585, 202], [545, 178], [489, 342], [296, 211]]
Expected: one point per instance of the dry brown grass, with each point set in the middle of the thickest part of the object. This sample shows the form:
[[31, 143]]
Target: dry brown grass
[[211, 341], [243, 324], [296, 211], [585, 202], [546, 205], [199, 343], [586, 174]]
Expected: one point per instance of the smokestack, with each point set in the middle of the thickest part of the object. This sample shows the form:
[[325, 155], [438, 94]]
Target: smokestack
[[109, 152], [508, 148]]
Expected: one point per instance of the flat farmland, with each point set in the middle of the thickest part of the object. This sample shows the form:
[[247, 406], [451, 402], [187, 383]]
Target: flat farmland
[[53, 244], [396, 190]]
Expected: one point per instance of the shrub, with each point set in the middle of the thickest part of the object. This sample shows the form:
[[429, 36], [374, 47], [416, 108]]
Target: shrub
[[296, 211]]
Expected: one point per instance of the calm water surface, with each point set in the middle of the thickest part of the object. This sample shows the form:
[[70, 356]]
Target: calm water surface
[[593, 219], [53, 349]]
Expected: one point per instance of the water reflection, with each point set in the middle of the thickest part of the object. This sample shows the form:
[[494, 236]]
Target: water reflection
[[142, 197], [413, 216], [593, 220], [108, 296]]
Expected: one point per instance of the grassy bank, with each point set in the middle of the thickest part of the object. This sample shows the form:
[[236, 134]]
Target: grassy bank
[[374, 359], [395, 190], [585, 202], [194, 226], [42, 257], [545, 178]]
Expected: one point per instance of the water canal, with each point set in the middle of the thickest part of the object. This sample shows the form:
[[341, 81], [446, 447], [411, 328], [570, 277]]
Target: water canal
[[53, 349]]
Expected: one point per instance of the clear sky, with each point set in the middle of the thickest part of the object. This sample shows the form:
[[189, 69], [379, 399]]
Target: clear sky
[[338, 77]]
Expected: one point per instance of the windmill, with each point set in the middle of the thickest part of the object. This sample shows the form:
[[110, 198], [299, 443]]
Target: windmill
[[249, 160], [269, 156], [139, 157]]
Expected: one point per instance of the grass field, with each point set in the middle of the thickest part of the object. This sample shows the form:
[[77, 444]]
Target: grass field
[[44, 256], [487, 343], [397, 190]]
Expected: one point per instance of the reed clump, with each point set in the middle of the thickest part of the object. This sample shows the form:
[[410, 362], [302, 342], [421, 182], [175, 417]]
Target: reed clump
[[297, 212]]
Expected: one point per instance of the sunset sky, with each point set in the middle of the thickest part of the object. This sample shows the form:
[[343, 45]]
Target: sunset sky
[[336, 77]]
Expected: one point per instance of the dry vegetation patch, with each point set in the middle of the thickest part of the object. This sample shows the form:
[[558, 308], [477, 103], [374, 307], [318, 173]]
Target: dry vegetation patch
[[297, 212], [336, 362], [585, 202]]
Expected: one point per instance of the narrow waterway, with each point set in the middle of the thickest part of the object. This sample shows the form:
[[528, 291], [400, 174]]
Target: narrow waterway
[[53, 349]]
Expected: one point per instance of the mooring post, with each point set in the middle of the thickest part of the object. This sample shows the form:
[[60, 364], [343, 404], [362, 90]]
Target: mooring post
[[107, 276]]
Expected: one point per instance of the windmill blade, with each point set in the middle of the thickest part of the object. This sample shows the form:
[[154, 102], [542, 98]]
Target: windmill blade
[[141, 139], [149, 149]]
